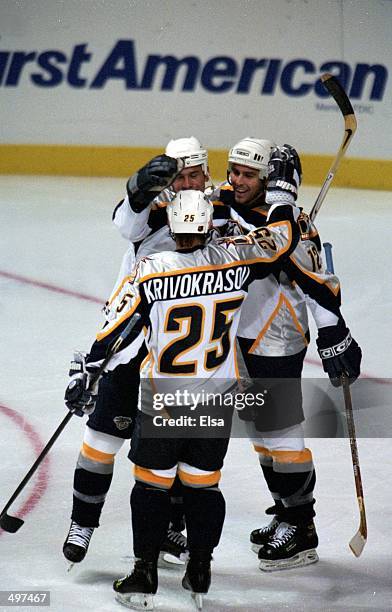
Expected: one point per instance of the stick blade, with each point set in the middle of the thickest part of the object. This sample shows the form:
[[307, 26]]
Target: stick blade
[[357, 543], [10, 523], [336, 90]]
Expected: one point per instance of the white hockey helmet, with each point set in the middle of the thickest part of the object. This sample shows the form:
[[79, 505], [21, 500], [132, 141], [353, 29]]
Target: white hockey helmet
[[252, 152], [190, 151], [190, 212]]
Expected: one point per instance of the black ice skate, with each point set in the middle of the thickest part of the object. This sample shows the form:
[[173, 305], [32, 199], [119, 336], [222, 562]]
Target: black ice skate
[[77, 543], [174, 549], [198, 579], [261, 536], [136, 590], [291, 546]]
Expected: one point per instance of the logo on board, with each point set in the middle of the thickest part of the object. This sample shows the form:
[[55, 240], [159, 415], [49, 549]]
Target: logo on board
[[83, 67]]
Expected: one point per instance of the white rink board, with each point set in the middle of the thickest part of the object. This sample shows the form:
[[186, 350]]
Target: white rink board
[[60, 95]]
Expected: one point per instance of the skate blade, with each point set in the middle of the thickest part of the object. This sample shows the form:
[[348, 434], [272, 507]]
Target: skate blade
[[256, 548], [306, 557], [197, 599], [136, 601], [168, 561]]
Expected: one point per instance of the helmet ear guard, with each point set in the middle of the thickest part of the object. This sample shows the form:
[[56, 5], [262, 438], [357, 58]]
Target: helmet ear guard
[[253, 153], [190, 212], [190, 151]]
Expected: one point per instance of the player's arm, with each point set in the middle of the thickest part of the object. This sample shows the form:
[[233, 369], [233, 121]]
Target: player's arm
[[123, 304], [82, 392], [284, 179], [266, 247], [339, 352], [131, 225], [79, 396], [304, 266]]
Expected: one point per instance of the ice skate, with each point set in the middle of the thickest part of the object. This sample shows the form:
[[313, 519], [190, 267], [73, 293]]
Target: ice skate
[[137, 589], [76, 544], [261, 536], [173, 550], [291, 546], [197, 579]]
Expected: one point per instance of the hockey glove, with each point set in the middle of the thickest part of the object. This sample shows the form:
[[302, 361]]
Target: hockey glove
[[339, 352], [284, 175], [150, 180], [79, 397]]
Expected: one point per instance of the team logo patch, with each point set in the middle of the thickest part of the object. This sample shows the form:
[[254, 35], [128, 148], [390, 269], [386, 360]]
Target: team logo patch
[[122, 422]]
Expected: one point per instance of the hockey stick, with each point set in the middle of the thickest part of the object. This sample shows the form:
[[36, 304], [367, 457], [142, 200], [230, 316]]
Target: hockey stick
[[12, 523], [358, 541], [332, 84]]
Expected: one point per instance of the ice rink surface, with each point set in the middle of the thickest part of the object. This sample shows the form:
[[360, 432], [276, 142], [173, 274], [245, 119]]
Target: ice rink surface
[[59, 257]]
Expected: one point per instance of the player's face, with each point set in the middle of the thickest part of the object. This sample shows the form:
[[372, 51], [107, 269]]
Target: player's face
[[246, 183], [190, 178]]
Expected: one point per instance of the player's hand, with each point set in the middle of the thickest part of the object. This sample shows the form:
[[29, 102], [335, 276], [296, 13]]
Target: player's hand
[[339, 352], [77, 397], [80, 397], [284, 174], [150, 180]]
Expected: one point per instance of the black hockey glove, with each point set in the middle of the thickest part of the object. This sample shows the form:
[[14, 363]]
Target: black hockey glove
[[339, 352], [284, 174], [79, 397], [150, 180]]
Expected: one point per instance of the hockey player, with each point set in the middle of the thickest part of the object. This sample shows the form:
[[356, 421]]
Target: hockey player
[[273, 342], [189, 339], [142, 219], [142, 212]]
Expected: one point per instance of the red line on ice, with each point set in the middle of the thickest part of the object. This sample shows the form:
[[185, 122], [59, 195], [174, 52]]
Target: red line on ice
[[50, 287]]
